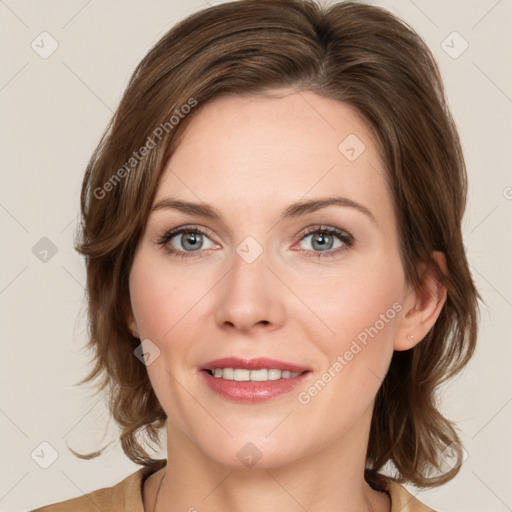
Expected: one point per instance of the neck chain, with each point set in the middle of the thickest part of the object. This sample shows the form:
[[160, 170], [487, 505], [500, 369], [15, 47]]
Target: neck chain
[[162, 481]]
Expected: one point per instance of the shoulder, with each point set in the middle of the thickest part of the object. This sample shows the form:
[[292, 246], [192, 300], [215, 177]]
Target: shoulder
[[402, 500], [124, 496]]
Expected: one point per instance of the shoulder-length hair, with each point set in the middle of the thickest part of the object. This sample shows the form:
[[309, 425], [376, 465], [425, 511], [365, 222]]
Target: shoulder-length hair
[[358, 54]]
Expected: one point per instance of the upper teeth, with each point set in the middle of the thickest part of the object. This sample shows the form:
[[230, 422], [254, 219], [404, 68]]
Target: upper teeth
[[264, 374]]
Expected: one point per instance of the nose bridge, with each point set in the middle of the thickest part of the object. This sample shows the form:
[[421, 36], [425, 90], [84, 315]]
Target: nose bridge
[[249, 293]]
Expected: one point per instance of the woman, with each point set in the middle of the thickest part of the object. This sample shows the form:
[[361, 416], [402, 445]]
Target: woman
[[276, 272]]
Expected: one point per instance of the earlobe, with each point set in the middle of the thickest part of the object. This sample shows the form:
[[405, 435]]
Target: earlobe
[[429, 300], [130, 321], [132, 326]]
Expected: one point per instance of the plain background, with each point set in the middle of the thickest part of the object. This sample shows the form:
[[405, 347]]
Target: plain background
[[53, 111]]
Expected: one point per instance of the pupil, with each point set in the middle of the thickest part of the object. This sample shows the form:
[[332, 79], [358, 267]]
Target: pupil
[[321, 239], [192, 239]]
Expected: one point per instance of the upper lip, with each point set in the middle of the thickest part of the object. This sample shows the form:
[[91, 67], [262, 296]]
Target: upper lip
[[253, 364]]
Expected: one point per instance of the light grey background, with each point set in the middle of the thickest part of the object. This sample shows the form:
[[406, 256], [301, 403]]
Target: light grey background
[[53, 111]]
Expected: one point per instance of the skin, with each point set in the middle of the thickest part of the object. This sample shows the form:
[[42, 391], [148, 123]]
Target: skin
[[251, 157]]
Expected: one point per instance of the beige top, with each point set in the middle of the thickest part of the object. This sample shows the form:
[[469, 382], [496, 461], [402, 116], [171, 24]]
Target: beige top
[[126, 496]]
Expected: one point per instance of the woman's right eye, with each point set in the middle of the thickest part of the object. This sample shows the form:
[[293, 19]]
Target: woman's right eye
[[190, 239]]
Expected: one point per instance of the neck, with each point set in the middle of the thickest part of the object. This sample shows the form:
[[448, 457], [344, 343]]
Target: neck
[[331, 480]]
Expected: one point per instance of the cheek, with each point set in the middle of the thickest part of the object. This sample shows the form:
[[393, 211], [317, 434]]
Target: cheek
[[159, 298], [360, 305], [162, 302]]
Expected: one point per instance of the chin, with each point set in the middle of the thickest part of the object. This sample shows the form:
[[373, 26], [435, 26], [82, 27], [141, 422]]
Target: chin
[[254, 451]]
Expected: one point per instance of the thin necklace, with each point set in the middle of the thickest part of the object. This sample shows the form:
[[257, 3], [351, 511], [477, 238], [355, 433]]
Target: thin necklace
[[162, 480]]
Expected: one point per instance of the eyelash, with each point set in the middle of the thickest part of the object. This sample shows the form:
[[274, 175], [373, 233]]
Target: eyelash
[[344, 236]]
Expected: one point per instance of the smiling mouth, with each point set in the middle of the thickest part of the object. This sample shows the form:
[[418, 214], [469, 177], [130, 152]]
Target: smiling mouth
[[254, 385], [256, 375]]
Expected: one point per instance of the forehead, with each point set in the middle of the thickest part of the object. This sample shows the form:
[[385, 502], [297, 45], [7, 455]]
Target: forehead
[[245, 151]]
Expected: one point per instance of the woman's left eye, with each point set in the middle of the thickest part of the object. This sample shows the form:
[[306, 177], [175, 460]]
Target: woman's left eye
[[192, 238], [323, 238]]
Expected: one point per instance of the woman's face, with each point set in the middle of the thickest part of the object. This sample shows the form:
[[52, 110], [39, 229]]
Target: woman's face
[[264, 280]]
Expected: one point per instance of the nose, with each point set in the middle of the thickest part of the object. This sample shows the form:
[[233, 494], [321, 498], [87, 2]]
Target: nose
[[251, 296]]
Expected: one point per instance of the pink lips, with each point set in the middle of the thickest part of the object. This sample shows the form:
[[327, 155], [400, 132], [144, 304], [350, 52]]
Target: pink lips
[[249, 391], [253, 364]]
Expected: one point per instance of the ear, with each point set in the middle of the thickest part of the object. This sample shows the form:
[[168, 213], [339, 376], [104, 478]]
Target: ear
[[130, 320], [422, 306]]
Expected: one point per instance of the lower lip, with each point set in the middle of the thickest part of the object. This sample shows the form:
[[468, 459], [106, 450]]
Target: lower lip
[[252, 391]]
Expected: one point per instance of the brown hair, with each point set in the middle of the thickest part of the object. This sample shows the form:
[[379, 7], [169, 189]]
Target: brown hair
[[355, 53]]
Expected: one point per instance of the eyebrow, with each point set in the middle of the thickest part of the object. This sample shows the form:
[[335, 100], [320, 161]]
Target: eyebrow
[[294, 210]]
